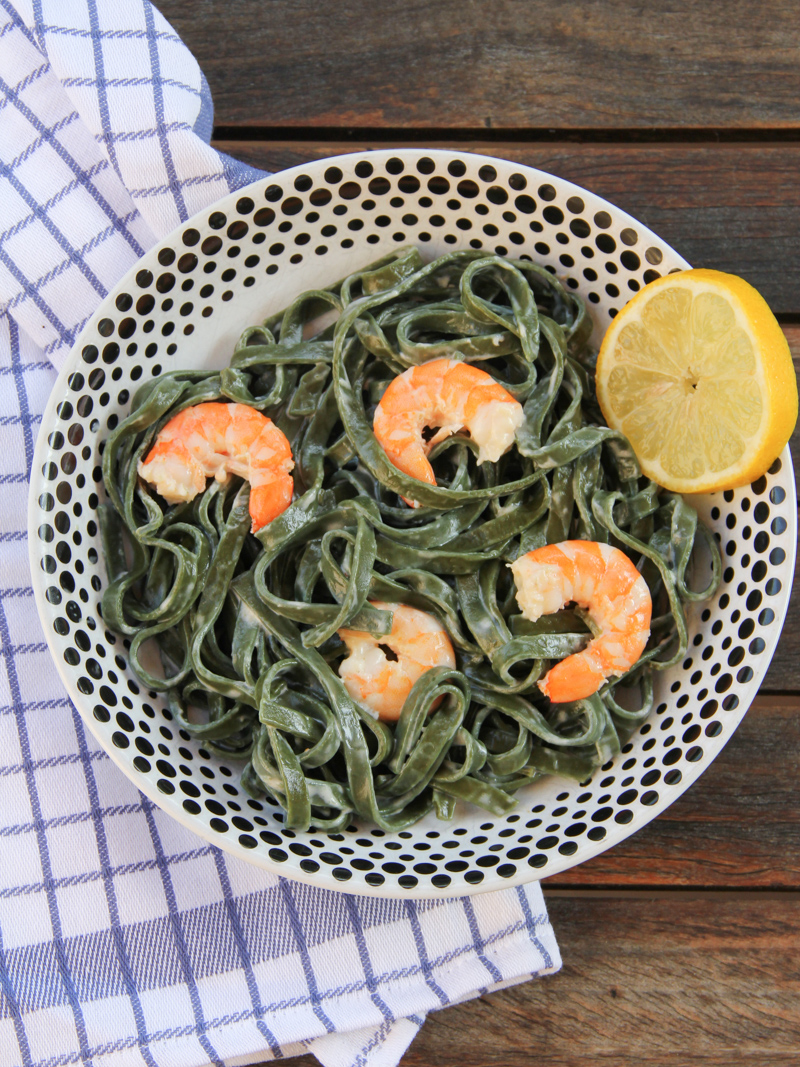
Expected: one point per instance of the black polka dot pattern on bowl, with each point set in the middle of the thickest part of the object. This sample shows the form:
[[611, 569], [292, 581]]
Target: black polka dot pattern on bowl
[[184, 305]]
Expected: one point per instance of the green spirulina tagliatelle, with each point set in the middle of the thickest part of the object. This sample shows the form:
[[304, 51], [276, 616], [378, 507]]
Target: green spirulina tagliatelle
[[247, 624]]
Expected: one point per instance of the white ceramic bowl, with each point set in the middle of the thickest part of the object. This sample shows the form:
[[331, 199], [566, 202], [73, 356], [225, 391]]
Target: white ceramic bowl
[[184, 305]]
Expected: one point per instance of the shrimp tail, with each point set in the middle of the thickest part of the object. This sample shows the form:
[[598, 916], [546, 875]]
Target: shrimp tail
[[574, 678], [270, 500]]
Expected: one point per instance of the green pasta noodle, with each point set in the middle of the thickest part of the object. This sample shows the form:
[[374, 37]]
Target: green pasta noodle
[[247, 625]]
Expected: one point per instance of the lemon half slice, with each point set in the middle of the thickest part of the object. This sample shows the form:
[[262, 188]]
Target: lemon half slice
[[697, 373]]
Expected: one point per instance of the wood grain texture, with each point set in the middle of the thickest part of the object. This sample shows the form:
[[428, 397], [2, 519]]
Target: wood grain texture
[[664, 981], [731, 207], [645, 981], [506, 64]]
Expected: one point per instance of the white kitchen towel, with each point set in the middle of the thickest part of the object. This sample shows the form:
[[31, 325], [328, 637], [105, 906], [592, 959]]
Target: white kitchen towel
[[125, 939]]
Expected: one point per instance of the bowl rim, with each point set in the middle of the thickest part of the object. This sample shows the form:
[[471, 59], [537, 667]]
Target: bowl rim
[[144, 784]]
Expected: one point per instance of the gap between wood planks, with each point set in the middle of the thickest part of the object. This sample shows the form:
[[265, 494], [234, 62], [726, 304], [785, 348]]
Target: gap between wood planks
[[553, 890], [423, 135]]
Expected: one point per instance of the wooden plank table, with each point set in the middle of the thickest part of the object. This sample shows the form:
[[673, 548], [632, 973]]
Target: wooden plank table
[[682, 941]]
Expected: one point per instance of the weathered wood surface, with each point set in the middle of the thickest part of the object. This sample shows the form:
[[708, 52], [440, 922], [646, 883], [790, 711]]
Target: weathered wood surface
[[646, 980], [731, 207], [504, 64], [657, 980]]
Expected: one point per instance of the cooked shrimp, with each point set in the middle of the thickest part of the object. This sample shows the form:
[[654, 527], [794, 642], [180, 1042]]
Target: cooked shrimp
[[452, 396], [214, 440], [380, 682], [602, 580]]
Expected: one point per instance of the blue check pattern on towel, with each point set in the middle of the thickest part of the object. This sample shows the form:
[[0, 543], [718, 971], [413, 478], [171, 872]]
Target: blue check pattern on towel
[[125, 939]]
